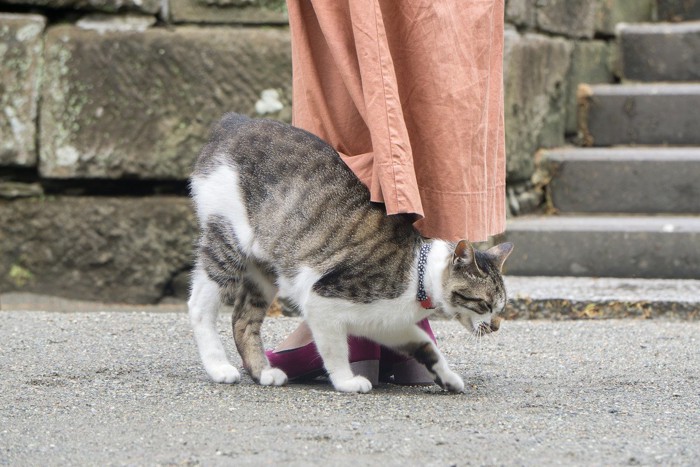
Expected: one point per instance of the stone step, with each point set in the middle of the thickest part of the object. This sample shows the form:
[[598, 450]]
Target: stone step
[[167, 87], [646, 114], [660, 51], [605, 246], [126, 249], [624, 180], [678, 10]]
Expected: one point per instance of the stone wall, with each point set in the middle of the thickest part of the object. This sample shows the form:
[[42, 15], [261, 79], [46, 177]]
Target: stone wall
[[105, 104]]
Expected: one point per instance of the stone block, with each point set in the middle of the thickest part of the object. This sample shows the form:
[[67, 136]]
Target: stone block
[[609, 13], [111, 6], [229, 11], [678, 10], [140, 104], [535, 71], [572, 18], [591, 63], [95, 248], [103, 22], [21, 47], [12, 190], [521, 12]]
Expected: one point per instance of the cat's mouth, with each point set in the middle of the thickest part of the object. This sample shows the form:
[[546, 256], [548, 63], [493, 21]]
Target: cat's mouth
[[480, 328], [488, 327]]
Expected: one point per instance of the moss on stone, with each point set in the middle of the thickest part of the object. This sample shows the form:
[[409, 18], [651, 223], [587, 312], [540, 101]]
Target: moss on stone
[[20, 276]]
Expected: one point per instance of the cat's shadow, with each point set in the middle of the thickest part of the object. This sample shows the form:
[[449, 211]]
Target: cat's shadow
[[475, 386]]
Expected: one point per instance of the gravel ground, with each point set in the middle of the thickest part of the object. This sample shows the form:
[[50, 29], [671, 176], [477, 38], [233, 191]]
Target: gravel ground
[[115, 388]]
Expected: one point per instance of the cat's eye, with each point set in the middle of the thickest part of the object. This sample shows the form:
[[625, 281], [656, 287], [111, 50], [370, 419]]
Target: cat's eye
[[482, 306], [467, 298]]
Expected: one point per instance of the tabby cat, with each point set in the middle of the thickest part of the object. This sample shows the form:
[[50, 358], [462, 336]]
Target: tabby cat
[[280, 213]]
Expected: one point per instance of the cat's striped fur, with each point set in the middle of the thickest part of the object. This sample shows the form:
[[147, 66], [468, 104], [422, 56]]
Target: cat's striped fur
[[281, 213]]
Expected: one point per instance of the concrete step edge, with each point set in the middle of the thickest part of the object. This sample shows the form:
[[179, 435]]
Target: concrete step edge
[[641, 89], [642, 246], [622, 153], [559, 298], [613, 222], [530, 297], [660, 52], [604, 180], [684, 27], [639, 114]]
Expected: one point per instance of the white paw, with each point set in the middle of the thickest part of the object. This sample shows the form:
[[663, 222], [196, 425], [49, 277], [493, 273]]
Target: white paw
[[354, 384], [273, 377], [452, 381], [224, 373]]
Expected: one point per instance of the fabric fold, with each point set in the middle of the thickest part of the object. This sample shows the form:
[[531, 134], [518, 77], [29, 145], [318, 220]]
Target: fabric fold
[[410, 93]]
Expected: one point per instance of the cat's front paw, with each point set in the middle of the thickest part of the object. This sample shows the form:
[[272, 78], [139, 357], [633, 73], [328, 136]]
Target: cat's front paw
[[451, 381], [224, 373], [354, 384], [273, 377]]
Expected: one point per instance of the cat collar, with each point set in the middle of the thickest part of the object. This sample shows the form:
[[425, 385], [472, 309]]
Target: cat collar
[[422, 295]]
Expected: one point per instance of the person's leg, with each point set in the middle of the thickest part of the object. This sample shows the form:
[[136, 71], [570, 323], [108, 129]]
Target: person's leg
[[300, 337]]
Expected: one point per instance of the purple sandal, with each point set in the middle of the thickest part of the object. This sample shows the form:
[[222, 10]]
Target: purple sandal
[[374, 362], [306, 363]]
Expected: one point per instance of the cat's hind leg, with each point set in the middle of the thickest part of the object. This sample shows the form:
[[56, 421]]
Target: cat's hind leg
[[250, 299], [203, 307]]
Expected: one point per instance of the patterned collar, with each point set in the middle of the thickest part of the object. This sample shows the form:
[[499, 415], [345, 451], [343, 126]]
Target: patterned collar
[[422, 295]]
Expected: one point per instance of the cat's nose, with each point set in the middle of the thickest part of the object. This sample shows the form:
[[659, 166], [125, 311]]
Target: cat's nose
[[496, 323]]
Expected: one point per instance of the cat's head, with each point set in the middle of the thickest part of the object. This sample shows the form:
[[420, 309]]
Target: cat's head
[[473, 289]]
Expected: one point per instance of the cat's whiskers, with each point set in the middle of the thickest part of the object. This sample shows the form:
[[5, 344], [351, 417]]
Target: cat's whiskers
[[494, 338], [482, 338], [475, 340]]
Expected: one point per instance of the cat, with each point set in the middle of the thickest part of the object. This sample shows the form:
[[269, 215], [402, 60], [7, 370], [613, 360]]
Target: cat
[[280, 213]]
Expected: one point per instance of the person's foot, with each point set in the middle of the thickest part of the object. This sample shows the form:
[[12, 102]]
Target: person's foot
[[298, 357], [400, 369], [300, 363], [304, 362]]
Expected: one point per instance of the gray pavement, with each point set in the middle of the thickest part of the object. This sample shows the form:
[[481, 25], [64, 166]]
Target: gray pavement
[[115, 388]]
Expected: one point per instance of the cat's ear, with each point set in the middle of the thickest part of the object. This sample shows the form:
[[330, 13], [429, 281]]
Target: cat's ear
[[499, 253], [464, 255]]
